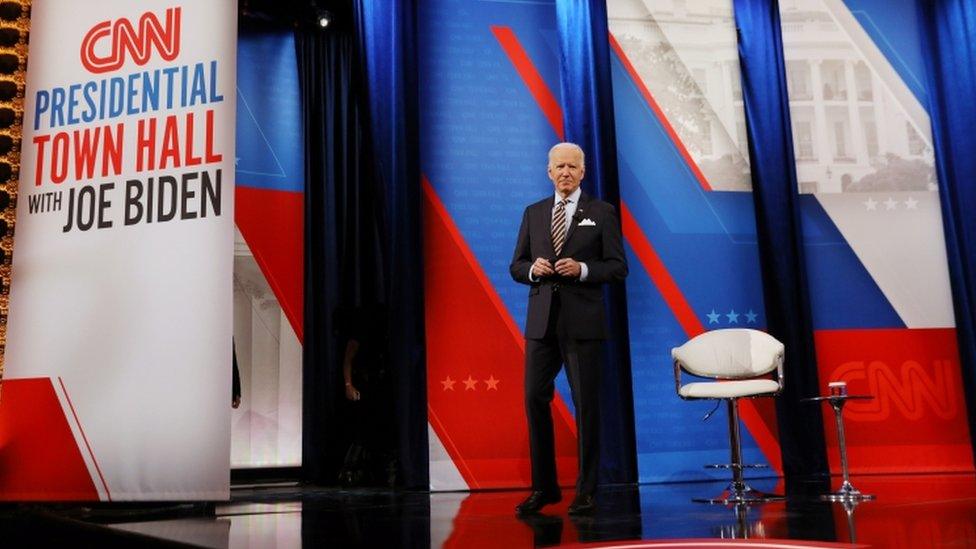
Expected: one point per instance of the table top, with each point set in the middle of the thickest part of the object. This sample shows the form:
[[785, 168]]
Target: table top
[[836, 397]]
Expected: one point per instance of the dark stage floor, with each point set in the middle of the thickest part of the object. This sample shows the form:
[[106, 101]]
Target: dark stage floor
[[910, 511]]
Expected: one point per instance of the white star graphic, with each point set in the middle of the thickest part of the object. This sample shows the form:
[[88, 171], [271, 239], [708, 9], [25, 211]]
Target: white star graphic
[[751, 317], [492, 383], [448, 383], [911, 203], [890, 203], [870, 204], [712, 317], [733, 317], [469, 384]]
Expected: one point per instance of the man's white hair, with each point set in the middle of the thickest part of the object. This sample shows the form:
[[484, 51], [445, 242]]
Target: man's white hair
[[568, 145]]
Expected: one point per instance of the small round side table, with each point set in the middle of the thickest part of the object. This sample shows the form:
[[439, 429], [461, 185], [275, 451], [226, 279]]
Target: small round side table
[[847, 491]]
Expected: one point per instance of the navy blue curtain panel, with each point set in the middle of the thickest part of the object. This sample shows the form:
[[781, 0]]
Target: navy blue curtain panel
[[343, 259], [778, 229], [387, 45], [587, 102], [950, 41]]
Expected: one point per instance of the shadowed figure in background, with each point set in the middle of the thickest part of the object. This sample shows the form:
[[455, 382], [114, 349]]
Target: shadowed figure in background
[[369, 395], [235, 390]]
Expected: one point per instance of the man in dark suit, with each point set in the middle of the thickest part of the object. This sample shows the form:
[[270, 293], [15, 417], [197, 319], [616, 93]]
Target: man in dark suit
[[569, 246]]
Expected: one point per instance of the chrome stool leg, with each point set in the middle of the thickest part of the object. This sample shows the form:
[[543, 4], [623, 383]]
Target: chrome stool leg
[[738, 491]]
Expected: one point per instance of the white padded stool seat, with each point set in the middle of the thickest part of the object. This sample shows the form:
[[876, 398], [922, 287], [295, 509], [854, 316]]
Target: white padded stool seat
[[732, 364], [735, 353], [729, 389]]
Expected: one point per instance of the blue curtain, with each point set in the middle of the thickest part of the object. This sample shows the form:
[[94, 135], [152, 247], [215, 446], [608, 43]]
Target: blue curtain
[[387, 47], [779, 232], [587, 102], [950, 42]]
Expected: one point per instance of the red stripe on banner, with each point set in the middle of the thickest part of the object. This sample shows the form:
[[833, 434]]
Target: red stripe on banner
[[489, 289], [39, 457], [475, 357], [692, 165], [916, 421], [530, 75], [272, 223], [759, 416], [472, 262], [84, 437]]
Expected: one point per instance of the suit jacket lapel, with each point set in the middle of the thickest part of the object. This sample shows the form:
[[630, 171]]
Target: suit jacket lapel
[[544, 225]]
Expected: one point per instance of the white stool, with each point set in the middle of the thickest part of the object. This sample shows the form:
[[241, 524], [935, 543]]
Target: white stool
[[739, 363]]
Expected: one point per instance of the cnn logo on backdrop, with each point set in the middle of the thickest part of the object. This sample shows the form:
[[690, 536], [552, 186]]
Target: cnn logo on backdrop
[[108, 44]]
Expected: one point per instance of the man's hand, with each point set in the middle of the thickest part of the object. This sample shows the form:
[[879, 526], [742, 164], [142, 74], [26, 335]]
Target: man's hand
[[542, 268], [352, 393], [568, 267]]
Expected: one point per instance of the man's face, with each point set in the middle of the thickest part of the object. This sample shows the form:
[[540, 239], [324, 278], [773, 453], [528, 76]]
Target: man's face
[[566, 170]]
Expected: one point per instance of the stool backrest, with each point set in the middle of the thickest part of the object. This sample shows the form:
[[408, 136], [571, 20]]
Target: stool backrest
[[735, 353]]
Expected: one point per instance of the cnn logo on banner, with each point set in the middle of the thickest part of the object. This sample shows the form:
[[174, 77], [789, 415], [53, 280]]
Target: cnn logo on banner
[[123, 38]]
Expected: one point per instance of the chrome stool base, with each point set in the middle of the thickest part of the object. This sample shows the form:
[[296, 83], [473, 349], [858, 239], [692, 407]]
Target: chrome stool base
[[732, 466], [744, 495], [847, 492]]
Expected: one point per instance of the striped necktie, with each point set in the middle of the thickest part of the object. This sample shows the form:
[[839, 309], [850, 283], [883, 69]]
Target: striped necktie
[[558, 229]]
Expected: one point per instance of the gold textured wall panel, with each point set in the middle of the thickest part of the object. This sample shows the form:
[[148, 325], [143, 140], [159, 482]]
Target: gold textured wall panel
[[14, 29]]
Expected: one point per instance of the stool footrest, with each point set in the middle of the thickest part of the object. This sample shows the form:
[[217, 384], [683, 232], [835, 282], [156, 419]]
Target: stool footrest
[[738, 495]]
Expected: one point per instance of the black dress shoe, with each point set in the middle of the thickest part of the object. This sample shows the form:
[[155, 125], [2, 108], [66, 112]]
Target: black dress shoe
[[583, 505], [536, 500]]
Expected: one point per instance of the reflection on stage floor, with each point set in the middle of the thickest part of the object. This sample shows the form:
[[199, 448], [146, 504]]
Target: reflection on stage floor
[[910, 511]]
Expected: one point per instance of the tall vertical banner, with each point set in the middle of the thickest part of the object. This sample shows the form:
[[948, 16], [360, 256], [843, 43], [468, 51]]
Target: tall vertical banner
[[118, 359]]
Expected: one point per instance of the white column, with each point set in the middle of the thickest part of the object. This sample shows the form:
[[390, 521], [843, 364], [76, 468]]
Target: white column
[[854, 116], [821, 144], [880, 98]]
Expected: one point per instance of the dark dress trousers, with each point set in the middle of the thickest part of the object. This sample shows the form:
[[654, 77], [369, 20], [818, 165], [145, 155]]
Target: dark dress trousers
[[566, 325]]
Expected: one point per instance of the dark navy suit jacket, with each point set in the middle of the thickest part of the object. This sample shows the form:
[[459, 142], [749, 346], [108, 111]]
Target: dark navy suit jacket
[[598, 244]]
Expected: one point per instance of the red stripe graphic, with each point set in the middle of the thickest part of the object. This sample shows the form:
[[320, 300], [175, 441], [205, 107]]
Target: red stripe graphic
[[39, 456], [475, 357], [530, 75], [272, 225], [659, 114], [758, 416], [479, 274], [84, 437]]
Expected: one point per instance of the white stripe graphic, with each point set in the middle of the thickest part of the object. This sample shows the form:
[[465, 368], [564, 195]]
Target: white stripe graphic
[[444, 474], [77, 434]]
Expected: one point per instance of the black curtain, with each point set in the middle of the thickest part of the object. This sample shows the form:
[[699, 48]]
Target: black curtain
[[343, 248]]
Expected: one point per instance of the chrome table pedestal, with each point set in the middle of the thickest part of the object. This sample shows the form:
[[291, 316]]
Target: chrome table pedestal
[[847, 491]]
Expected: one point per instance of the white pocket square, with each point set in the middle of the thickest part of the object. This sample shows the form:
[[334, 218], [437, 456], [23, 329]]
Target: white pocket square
[[587, 223]]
